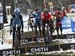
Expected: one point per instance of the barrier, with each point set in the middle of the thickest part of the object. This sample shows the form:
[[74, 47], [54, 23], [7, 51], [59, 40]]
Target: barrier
[[41, 39], [67, 21], [49, 48], [73, 24], [16, 51], [36, 48]]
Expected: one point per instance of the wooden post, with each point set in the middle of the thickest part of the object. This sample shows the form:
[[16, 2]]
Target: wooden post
[[4, 12]]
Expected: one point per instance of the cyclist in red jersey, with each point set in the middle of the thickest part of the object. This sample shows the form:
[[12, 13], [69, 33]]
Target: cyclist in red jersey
[[59, 16], [46, 19]]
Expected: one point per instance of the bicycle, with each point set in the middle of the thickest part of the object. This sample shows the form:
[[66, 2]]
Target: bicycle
[[17, 40], [48, 37]]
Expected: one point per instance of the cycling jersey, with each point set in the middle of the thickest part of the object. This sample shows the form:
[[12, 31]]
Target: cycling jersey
[[46, 16], [59, 16], [37, 17], [16, 21]]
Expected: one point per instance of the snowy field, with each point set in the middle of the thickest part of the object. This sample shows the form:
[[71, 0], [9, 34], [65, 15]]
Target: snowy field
[[8, 38]]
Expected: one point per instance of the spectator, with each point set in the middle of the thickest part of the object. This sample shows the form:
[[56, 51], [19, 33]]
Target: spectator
[[59, 17]]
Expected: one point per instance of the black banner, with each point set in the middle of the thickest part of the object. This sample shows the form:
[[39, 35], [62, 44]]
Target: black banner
[[25, 40], [41, 39], [42, 49], [65, 36], [8, 52], [49, 48]]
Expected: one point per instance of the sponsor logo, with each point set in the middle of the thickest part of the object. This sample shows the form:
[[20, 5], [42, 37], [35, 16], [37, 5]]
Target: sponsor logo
[[39, 49], [14, 52]]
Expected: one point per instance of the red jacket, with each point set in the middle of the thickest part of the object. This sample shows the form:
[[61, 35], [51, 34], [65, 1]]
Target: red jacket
[[59, 16], [59, 12]]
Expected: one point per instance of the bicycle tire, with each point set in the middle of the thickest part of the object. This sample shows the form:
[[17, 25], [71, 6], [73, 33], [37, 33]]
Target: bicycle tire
[[16, 40]]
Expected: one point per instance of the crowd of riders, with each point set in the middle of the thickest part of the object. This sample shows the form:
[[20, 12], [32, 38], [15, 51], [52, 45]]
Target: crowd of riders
[[44, 21], [44, 18]]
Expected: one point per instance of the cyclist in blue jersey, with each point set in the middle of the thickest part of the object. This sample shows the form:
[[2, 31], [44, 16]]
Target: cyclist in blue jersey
[[37, 16], [16, 23]]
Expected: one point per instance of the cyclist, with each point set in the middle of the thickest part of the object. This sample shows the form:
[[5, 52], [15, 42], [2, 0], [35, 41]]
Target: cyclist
[[37, 16], [16, 23], [46, 19], [59, 17]]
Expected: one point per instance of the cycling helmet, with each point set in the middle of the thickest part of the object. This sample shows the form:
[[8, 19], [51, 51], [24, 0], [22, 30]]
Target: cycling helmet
[[36, 9], [59, 8], [17, 11], [45, 10]]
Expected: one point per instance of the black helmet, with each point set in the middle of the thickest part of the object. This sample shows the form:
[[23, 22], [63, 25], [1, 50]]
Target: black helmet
[[36, 9], [58, 8]]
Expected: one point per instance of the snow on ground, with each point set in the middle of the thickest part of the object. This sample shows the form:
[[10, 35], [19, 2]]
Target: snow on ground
[[6, 32]]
